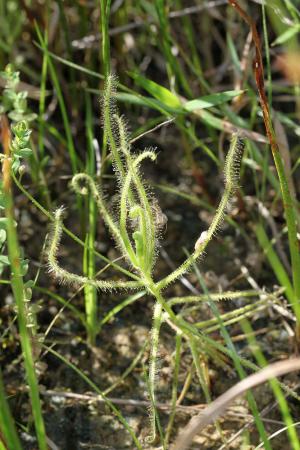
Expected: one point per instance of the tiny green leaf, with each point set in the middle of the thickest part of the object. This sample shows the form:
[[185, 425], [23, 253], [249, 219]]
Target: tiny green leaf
[[15, 165], [24, 266], [4, 260], [3, 223], [24, 152], [2, 236]]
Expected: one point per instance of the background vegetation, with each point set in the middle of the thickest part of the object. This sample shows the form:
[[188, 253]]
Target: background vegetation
[[209, 91]]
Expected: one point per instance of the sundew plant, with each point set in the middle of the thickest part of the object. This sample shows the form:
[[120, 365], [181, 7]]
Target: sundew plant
[[118, 329], [137, 228]]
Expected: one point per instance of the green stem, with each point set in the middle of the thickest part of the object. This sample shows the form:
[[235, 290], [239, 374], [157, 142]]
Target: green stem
[[157, 321], [105, 47], [18, 291]]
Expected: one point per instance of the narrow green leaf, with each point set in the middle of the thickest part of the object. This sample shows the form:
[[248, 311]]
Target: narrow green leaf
[[159, 92], [275, 262], [127, 301], [211, 100], [7, 424], [286, 35], [149, 102]]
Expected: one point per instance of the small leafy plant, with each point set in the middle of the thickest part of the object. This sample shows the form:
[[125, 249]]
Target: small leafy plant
[[137, 229], [15, 149], [14, 101], [13, 105]]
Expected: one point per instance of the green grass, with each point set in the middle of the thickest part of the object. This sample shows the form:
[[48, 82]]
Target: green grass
[[185, 89], [19, 292], [8, 428], [283, 404]]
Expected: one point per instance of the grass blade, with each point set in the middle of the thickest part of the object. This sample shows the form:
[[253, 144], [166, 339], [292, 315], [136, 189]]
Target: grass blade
[[7, 425]]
